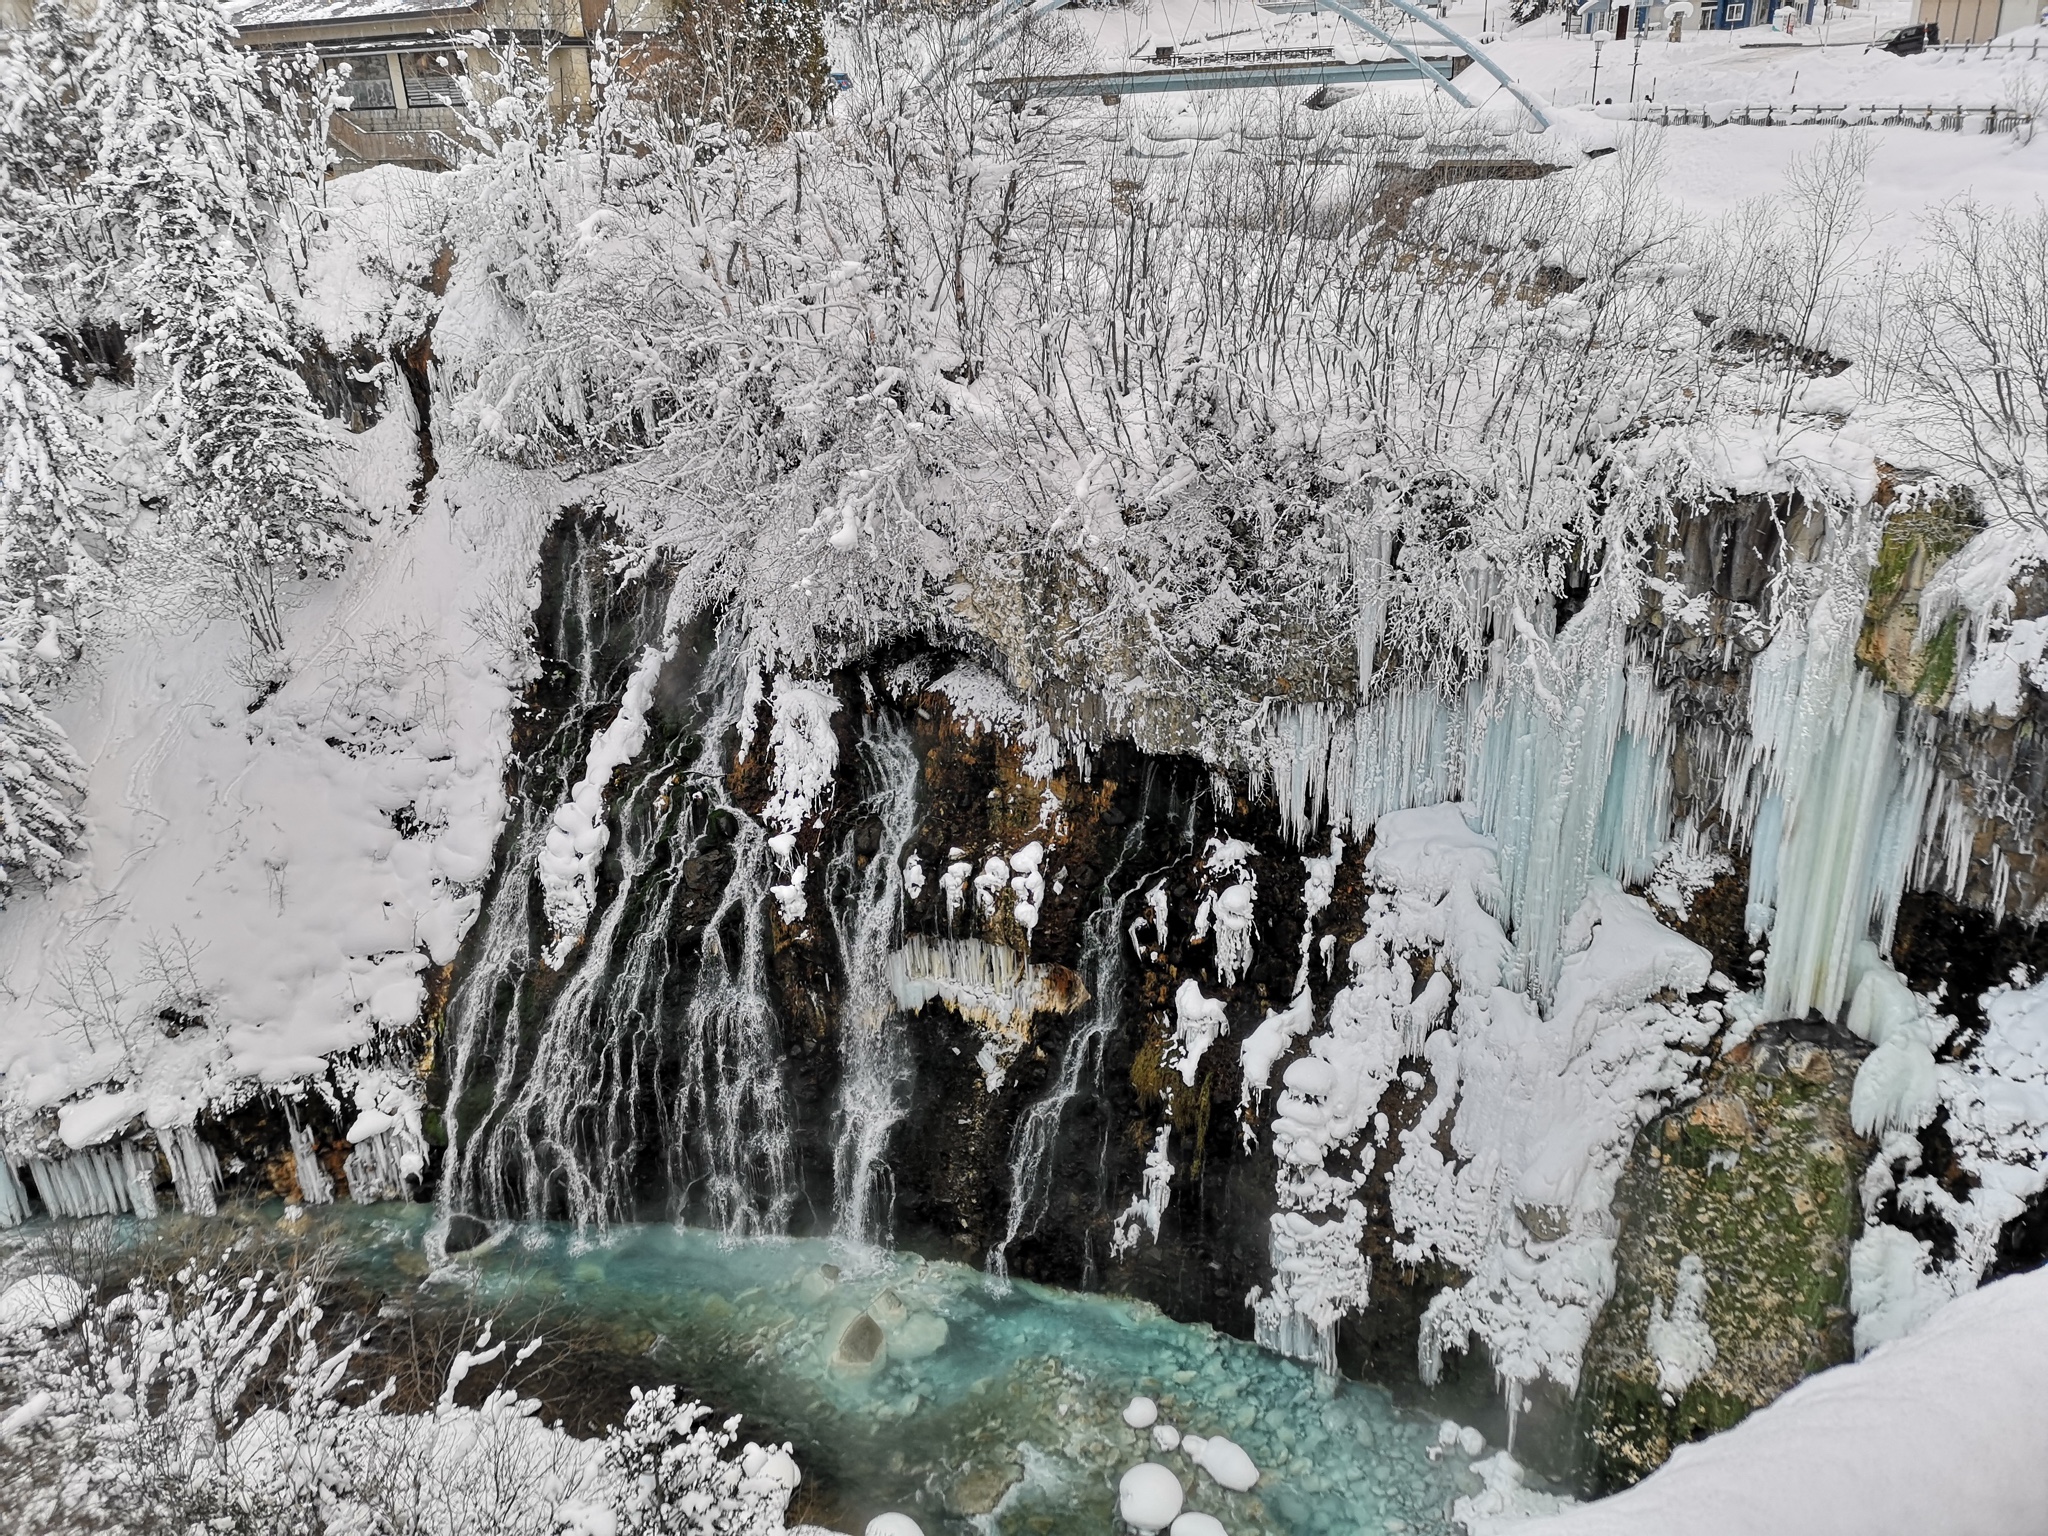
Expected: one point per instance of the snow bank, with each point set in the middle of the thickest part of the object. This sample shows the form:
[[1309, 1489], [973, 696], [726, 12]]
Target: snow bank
[[279, 862], [1997, 1104], [1942, 1431], [41, 1302]]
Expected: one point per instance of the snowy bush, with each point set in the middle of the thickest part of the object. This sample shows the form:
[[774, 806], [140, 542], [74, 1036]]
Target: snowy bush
[[1183, 432], [220, 1401]]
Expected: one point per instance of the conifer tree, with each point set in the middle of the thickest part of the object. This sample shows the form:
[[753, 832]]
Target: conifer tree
[[46, 522], [194, 163]]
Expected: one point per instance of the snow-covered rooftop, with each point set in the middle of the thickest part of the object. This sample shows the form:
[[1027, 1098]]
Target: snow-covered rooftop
[[290, 13]]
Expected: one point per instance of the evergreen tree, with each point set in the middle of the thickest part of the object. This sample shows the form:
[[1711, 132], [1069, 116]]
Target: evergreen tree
[[196, 158], [46, 523]]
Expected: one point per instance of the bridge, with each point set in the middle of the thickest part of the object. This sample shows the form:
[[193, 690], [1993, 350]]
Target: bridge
[[1451, 54]]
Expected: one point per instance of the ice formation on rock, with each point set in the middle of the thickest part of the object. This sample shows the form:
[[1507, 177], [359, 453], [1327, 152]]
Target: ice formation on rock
[[1229, 909], [989, 984], [1680, 1343]]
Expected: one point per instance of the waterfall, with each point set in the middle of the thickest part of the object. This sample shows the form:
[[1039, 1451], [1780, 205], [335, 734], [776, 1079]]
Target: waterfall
[[866, 903], [1105, 963], [648, 1058], [730, 1128]]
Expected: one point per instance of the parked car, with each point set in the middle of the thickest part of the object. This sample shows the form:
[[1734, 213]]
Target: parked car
[[1917, 38]]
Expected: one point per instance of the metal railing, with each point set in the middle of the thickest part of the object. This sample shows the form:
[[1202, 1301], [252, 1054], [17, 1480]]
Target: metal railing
[[362, 146], [1937, 119], [2028, 50]]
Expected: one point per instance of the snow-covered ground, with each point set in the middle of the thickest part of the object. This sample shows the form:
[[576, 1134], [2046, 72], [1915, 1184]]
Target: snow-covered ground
[[1943, 1431], [280, 847], [1708, 171]]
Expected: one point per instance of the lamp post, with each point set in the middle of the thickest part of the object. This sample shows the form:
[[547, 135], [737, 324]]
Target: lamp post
[[1599, 42]]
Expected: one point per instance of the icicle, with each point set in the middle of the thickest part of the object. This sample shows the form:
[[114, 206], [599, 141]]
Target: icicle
[[194, 1170], [1540, 780], [139, 1163], [315, 1188], [14, 1206], [90, 1182], [990, 984], [1837, 809], [1406, 748]]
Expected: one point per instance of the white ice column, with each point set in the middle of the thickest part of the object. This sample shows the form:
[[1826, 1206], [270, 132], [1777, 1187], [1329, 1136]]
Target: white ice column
[[91, 1182], [315, 1188], [194, 1170], [14, 1207]]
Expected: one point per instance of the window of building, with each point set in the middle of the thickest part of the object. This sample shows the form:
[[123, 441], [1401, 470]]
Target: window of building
[[433, 79], [365, 83], [1732, 15]]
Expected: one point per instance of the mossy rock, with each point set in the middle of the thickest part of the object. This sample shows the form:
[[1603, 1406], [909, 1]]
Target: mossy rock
[[1758, 1178], [1918, 540]]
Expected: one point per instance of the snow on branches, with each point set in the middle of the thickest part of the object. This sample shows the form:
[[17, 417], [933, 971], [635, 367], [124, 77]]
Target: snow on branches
[[199, 154], [223, 1399]]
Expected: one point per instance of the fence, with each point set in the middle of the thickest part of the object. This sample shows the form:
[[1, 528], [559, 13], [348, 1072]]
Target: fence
[[2028, 50], [1938, 119]]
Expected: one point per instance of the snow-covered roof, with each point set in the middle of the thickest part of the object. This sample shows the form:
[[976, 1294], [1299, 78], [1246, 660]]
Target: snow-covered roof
[[286, 13]]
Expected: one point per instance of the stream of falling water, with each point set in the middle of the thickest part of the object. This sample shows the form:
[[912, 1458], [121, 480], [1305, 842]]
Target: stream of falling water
[[648, 1070], [866, 905], [731, 1119], [507, 1147], [1105, 967]]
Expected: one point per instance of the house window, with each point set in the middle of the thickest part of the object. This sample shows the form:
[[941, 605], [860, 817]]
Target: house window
[[433, 79], [1732, 15], [365, 83]]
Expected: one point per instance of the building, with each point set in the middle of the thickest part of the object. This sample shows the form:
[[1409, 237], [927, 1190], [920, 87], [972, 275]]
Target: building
[[404, 61], [1618, 19], [1977, 21]]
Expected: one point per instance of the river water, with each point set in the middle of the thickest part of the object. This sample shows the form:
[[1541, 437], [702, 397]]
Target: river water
[[912, 1385]]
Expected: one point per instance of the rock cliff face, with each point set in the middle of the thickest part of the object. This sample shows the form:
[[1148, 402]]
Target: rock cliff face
[[904, 954], [1736, 1217]]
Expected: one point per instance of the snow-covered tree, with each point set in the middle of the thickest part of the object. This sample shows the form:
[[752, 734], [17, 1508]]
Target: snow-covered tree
[[46, 158], [755, 65], [197, 162], [46, 525]]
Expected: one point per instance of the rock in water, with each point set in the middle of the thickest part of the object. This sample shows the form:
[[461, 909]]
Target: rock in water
[[1224, 1460], [918, 1335], [1149, 1497], [1141, 1413], [464, 1233], [1195, 1523], [861, 1347], [893, 1524]]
